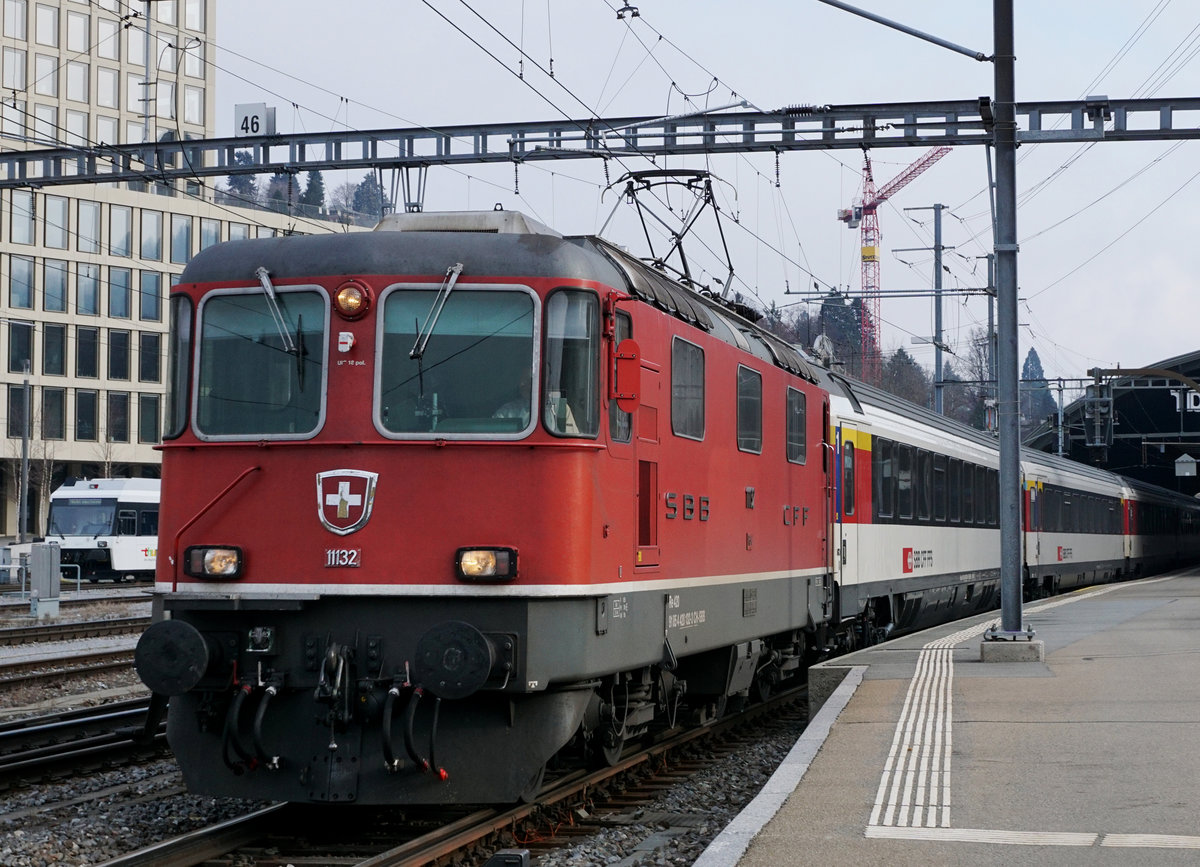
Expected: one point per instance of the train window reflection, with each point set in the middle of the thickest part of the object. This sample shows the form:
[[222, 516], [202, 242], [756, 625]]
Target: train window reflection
[[570, 364], [260, 374], [475, 375], [904, 481], [749, 410]]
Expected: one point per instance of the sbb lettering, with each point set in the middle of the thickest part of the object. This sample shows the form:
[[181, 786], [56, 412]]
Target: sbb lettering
[[687, 506]]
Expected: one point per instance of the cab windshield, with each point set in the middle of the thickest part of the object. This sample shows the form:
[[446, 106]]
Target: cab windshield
[[82, 516], [474, 373], [259, 374]]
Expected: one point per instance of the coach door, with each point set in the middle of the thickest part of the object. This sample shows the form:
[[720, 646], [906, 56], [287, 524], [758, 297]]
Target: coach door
[[847, 510]]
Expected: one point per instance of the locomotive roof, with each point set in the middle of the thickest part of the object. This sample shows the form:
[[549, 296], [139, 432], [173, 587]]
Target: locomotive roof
[[501, 243]]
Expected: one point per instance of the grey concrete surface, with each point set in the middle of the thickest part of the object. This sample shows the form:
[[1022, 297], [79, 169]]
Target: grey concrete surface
[[1090, 757]]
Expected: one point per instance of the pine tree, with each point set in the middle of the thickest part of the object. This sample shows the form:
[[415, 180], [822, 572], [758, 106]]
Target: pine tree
[[313, 198], [242, 189]]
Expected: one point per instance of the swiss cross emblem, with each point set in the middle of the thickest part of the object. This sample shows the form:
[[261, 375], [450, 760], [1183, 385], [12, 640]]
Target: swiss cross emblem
[[344, 499]]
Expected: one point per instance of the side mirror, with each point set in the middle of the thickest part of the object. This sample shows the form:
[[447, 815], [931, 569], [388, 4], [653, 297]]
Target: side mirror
[[625, 385]]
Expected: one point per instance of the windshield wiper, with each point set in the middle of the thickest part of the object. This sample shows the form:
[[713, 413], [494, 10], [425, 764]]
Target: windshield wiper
[[452, 275], [264, 278]]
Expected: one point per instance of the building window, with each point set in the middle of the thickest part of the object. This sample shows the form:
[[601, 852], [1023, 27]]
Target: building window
[[135, 47], [119, 286], [108, 39], [77, 31], [16, 411], [150, 297], [77, 81], [118, 417], [22, 217], [687, 389], [135, 93], [193, 105], [238, 232], [87, 346], [210, 233], [20, 347], [85, 415], [87, 289], [193, 15], [749, 410], [107, 130], [45, 123], [54, 412], [56, 222], [797, 432], [149, 357], [15, 19], [165, 10], [14, 69], [89, 227], [20, 282], [118, 354], [165, 99], [181, 238], [164, 50], [107, 90], [46, 26], [148, 425], [193, 60], [54, 290], [45, 75], [77, 127], [152, 235], [119, 230], [54, 349], [12, 117]]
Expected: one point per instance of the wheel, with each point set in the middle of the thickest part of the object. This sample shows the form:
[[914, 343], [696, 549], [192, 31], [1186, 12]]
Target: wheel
[[611, 747]]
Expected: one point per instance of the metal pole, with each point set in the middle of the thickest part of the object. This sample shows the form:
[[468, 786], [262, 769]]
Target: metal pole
[[991, 339], [938, 383], [23, 506], [1061, 452], [1008, 402]]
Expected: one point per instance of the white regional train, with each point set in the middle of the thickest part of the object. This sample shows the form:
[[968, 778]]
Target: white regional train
[[915, 513], [107, 529]]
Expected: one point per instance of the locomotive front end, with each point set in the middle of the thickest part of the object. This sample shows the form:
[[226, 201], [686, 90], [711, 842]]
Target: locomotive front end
[[343, 525]]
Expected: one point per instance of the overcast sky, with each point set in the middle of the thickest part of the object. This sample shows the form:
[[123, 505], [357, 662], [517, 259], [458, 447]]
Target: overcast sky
[[1107, 232]]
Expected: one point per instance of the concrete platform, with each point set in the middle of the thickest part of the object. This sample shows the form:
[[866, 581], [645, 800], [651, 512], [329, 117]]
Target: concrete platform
[[925, 754]]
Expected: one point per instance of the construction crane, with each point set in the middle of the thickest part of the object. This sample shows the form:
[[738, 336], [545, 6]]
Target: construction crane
[[864, 213]]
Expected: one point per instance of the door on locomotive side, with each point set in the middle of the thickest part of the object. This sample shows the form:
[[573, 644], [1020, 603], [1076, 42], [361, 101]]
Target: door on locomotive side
[[851, 470]]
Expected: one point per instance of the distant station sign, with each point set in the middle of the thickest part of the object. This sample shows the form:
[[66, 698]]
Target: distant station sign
[[253, 118]]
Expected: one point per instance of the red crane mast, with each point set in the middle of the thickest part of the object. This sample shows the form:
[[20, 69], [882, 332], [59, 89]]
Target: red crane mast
[[865, 213]]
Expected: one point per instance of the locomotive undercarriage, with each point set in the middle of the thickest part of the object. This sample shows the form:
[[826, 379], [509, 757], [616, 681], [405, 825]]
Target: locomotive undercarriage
[[266, 704]]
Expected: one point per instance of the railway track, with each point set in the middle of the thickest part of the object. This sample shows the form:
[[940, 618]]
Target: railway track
[[574, 803], [75, 742], [66, 631], [31, 672]]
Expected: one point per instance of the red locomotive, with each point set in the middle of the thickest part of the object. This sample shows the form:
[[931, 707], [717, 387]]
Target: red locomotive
[[447, 499]]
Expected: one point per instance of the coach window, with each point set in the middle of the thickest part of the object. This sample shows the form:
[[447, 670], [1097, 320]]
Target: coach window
[[955, 490], [904, 480], [620, 423], [474, 375], [848, 479], [924, 483], [982, 508], [571, 364], [687, 389], [797, 421], [749, 410], [884, 470], [939, 487], [260, 369], [968, 493], [993, 495]]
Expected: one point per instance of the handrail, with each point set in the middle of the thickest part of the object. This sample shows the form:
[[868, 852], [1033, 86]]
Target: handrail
[[196, 517]]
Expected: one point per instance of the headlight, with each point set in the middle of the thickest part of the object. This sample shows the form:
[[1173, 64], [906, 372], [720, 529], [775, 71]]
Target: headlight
[[486, 564], [203, 561], [352, 300]]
